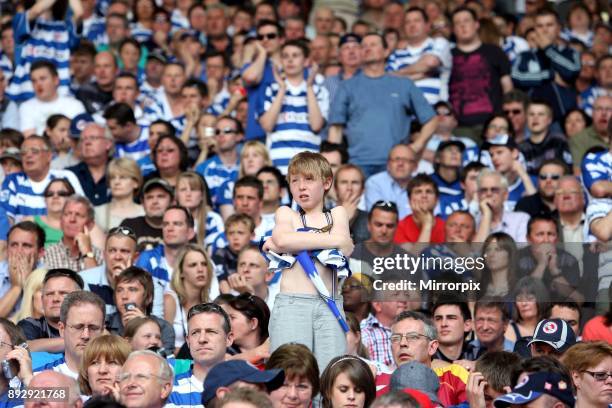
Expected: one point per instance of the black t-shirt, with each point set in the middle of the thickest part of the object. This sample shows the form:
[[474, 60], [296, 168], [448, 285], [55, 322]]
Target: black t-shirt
[[553, 146], [474, 88], [148, 236], [94, 98], [534, 205], [34, 329]]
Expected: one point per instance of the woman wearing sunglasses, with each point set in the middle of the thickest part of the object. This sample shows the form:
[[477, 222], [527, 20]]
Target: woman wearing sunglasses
[[55, 195]]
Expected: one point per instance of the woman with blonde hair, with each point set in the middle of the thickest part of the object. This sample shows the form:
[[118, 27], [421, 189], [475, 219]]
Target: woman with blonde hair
[[193, 282], [253, 157], [192, 193], [590, 365], [124, 179], [101, 363], [31, 303]]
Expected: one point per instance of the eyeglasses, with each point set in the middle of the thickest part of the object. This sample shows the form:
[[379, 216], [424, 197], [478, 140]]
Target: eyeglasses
[[492, 190], [549, 176], [354, 286], [33, 151], [139, 378], [225, 131], [123, 231], [411, 337], [509, 112], [270, 36], [599, 375], [92, 328], [62, 193]]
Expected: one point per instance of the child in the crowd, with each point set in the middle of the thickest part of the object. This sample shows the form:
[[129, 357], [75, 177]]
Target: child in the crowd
[[301, 313], [295, 108], [240, 231]]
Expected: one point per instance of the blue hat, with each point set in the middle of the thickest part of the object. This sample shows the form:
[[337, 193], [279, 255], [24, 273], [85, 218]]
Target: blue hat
[[226, 373], [536, 384], [78, 123], [348, 38], [555, 332]]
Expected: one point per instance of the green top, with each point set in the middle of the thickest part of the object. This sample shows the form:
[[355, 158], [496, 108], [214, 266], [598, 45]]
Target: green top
[[52, 235], [583, 141]]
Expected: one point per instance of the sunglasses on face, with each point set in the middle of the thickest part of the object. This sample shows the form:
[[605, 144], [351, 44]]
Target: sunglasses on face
[[49, 194], [270, 36], [545, 176], [509, 112]]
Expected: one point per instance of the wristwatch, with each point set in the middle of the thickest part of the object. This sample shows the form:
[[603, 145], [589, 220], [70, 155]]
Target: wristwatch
[[89, 255]]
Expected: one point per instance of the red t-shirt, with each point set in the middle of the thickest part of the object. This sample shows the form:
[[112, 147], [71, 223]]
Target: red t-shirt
[[453, 380], [407, 231]]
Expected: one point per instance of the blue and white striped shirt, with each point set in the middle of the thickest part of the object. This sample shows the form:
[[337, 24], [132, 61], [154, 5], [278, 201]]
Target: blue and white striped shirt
[[220, 102], [214, 227], [6, 65], [186, 392], [596, 167], [513, 46], [587, 98], [94, 29], [59, 366], [21, 197], [140, 33], [292, 133], [435, 86], [146, 165], [216, 173], [137, 149], [178, 21], [41, 39]]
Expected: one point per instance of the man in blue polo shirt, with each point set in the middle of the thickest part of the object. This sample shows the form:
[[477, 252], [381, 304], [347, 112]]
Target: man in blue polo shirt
[[374, 110]]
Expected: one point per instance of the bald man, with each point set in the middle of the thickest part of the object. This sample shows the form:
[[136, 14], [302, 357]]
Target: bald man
[[66, 387]]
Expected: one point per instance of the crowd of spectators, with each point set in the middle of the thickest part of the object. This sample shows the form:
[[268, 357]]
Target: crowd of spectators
[[144, 156]]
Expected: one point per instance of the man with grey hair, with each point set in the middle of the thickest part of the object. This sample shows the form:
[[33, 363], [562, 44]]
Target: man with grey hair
[[415, 338], [95, 146], [53, 380], [145, 380], [81, 320], [75, 251], [22, 192], [492, 194]]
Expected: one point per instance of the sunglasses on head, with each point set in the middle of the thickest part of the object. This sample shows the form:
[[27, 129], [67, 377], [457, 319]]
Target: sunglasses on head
[[123, 231]]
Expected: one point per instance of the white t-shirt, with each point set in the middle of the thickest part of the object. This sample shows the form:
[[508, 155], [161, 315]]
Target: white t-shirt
[[33, 113]]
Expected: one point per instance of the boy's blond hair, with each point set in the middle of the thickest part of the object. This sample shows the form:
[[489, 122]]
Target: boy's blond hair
[[310, 164], [240, 219]]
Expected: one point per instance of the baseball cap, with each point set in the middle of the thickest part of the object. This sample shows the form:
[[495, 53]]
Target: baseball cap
[[157, 182], [78, 123], [11, 153], [226, 373], [443, 145], [536, 384], [350, 37], [418, 376], [500, 140], [157, 55], [555, 332]]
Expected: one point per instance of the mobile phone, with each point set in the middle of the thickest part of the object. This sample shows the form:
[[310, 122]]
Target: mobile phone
[[10, 368], [130, 306]]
